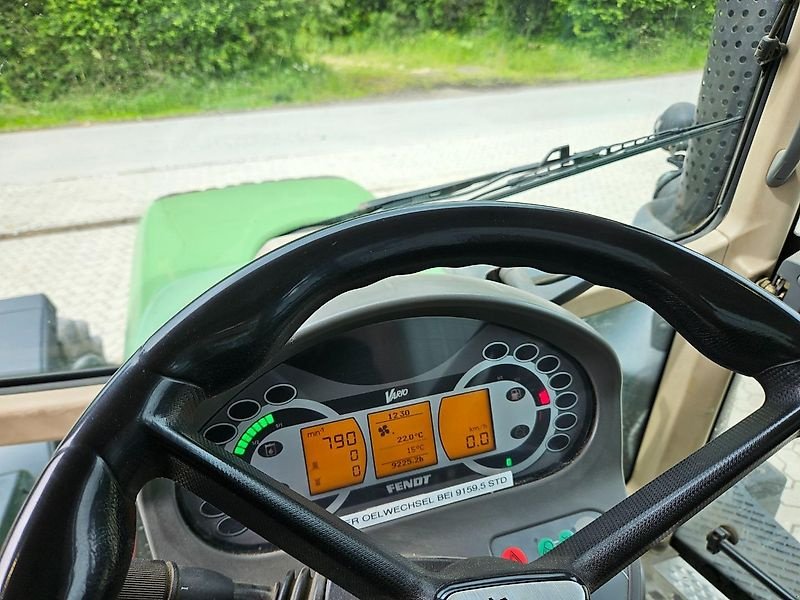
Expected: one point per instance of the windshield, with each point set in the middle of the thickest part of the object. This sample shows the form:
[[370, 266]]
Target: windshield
[[150, 149]]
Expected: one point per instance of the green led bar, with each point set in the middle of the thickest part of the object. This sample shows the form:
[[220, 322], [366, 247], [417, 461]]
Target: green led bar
[[250, 433]]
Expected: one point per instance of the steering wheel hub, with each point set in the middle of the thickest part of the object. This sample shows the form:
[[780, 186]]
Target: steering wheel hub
[[555, 588]]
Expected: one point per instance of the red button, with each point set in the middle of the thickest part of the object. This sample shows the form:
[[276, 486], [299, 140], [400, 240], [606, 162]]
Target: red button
[[514, 554]]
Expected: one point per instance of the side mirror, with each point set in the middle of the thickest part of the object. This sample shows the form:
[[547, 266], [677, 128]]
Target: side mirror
[[677, 116]]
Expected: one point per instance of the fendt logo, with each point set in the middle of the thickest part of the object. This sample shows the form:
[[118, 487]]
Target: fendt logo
[[408, 484], [395, 394]]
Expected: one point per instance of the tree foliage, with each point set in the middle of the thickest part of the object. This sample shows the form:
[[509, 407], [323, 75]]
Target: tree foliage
[[627, 21], [610, 21]]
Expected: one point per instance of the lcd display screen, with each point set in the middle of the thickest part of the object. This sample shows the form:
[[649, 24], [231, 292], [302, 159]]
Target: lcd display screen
[[335, 455], [402, 439], [465, 424]]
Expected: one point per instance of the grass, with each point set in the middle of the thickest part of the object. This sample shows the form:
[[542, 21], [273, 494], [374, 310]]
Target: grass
[[363, 66]]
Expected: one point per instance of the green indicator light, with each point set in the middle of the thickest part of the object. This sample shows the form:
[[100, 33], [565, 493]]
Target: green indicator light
[[252, 431], [270, 419], [257, 427], [545, 545], [509, 462], [238, 451], [246, 437], [263, 422], [564, 535], [241, 446]]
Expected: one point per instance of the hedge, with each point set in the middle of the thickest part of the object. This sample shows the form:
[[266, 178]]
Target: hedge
[[610, 21], [47, 46], [51, 46], [627, 21]]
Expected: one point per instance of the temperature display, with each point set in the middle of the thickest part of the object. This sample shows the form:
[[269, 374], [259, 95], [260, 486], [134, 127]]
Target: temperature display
[[402, 439], [465, 424], [335, 455]]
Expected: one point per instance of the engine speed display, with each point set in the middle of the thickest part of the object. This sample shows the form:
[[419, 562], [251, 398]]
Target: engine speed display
[[402, 439], [335, 455]]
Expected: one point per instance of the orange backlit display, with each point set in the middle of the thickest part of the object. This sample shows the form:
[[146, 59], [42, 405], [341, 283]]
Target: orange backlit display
[[402, 439], [465, 424], [335, 454]]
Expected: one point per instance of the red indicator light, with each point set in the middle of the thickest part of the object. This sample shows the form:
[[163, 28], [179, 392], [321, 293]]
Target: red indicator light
[[544, 397], [514, 554]]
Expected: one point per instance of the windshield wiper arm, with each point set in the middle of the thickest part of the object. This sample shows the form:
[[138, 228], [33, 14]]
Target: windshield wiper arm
[[559, 163]]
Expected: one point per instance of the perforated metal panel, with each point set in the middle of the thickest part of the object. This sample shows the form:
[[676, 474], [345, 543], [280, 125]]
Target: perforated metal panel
[[729, 80]]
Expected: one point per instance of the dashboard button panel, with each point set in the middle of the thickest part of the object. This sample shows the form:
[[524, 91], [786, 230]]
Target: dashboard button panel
[[535, 541]]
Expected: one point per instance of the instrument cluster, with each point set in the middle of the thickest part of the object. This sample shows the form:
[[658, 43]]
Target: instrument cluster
[[406, 415]]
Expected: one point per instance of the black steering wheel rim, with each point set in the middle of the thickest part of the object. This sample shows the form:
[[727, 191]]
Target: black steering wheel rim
[[133, 431]]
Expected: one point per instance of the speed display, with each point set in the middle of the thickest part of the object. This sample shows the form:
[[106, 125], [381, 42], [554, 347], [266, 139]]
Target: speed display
[[465, 424]]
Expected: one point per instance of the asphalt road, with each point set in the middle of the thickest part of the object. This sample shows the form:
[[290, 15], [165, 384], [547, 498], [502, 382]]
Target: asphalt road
[[456, 117], [69, 197]]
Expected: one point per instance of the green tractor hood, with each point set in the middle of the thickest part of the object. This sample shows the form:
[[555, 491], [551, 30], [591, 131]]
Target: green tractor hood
[[188, 242]]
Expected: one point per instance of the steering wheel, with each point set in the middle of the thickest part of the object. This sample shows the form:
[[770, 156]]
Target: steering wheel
[[74, 537]]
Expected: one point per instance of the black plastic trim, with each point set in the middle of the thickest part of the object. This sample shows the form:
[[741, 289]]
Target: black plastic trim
[[59, 379]]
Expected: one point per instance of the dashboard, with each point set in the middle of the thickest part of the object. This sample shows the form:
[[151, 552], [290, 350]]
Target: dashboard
[[400, 407], [446, 415]]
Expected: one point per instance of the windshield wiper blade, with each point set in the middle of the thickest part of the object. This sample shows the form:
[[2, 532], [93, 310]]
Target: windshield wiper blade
[[559, 163]]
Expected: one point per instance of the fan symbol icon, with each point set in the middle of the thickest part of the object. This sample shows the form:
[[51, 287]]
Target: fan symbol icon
[[384, 430]]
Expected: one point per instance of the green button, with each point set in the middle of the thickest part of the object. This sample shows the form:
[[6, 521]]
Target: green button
[[564, 535], [545, 545]]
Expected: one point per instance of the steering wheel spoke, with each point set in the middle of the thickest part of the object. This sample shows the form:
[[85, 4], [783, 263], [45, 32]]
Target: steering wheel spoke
[[618, 537], [311, 534]]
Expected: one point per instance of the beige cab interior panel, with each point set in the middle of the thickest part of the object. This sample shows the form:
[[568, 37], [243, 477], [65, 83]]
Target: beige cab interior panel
[[748, 240], [42, 415]]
